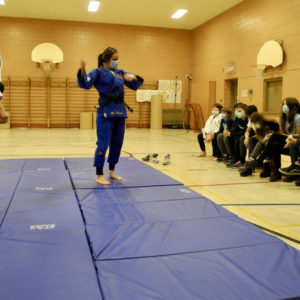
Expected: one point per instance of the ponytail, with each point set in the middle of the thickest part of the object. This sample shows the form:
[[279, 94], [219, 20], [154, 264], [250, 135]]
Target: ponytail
[[106, 56], [100, 60]]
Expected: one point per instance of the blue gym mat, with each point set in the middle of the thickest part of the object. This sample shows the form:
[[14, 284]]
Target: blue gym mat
[[29, 210], [8, 183], [150, 237], [47, 265], [135, 173], [145, 212], [133, 240], [55, 181], [129, 195], [43, 197], [269, 271], [12, 164], [44, 164]]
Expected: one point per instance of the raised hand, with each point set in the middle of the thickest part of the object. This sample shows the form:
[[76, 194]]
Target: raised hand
[[130, 77], [82, 66]]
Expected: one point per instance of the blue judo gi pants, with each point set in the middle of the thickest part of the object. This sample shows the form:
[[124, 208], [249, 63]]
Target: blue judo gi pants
[[110, 132]]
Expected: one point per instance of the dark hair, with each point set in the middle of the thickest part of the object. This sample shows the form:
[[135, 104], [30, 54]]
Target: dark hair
[[237, 104], [294, 108], [228, 111], [250, 110], [106, 56], [257, 117], [1, 87], [242, 106], [266, 124], [217, 105]]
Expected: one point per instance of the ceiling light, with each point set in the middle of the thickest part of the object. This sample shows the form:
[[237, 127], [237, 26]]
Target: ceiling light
[[93, 6], [179, 13], [2, 2]]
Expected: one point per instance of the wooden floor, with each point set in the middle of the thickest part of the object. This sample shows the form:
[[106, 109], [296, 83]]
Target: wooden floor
[[275, 206]]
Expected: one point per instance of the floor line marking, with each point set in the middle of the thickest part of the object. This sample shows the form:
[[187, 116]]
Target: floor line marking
[[234, 183], [240, 208], [260, 204], [287, 226]]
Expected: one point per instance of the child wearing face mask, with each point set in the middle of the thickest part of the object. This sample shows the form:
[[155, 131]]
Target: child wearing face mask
[[226, 124], [263, 130], [212, 126], [289, 125], [237, 130]]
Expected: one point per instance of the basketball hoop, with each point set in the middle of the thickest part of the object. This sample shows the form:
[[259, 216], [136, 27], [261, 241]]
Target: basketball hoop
[[47, 66], [258, 69]]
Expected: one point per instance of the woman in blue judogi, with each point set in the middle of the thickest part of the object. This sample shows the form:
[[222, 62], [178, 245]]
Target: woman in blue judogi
[[111, 115]]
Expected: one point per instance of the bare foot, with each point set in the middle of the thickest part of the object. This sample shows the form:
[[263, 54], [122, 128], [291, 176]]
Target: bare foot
[[203, 154], [213, 158], [114, 176], [100, 179]]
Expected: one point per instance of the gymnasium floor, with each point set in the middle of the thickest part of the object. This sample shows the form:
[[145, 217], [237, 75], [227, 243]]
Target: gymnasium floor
[[274, 206]]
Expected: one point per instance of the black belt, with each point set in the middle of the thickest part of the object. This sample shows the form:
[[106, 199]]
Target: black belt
[[113, 98]]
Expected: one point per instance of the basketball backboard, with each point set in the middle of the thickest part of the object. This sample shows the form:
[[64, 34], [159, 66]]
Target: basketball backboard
[[270, 54], [47, 56]]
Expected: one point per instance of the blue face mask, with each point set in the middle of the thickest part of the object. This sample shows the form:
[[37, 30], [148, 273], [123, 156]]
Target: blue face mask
[[285, 109], [223, 116], [113, 64], [215, 112], [239, 114]]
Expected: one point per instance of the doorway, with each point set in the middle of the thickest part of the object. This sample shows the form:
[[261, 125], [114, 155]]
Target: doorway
[[273, 95], [230, 92]]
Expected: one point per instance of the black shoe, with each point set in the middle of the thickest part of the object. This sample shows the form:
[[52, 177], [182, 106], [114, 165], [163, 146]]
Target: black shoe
[[290, 178], [246, 172], [230, 162], [253, 164], [266, 172], [220, 159], [291, 170], [275, 177], [297, 183]]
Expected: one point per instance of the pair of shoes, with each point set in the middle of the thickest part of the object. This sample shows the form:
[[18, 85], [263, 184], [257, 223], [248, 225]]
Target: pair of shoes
[[266, 172], [245, 172], [291, 170], [167, 160], [151, 157]]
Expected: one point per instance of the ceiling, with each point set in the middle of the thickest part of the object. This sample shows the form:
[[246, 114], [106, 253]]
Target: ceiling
[[154, 13]]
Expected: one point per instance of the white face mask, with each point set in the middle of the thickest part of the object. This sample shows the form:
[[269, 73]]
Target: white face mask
[[215, 112], [223, 116]]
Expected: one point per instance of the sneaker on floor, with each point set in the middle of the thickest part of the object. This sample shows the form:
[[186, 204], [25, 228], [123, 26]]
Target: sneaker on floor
[[297, 183], [252, 164], [245, 172], [229, 162], [266, 172], [290, 178], [167, 160], [275, 177], [153, 158], [146, 158], [236, 165], [291, 170]]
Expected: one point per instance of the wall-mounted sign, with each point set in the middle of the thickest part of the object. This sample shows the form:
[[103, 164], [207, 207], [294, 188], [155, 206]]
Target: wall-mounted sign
[[229, 68]]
